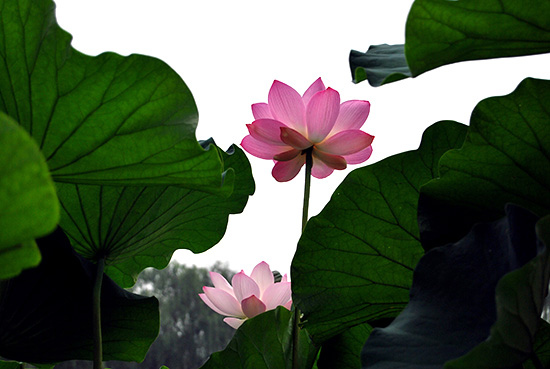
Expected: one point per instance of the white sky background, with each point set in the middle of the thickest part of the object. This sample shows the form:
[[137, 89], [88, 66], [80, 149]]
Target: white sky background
[[229, 53]]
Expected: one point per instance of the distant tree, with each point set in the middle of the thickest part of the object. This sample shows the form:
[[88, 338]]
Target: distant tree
[[189, 330]]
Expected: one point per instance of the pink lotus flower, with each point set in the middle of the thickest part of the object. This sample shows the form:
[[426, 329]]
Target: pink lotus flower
[[247, 296], [291, 124]]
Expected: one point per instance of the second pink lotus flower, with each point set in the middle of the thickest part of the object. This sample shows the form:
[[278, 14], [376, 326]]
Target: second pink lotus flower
[[246, 296], [290, 124]]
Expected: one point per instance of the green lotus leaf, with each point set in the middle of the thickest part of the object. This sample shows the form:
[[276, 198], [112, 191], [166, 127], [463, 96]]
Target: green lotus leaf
[[17, 258], [505, 158], [440, 32], [106, 119], [381, 64], [520, 298], [265, 342], [444, 32], [10, 365], [541, 348], [29, 203], [343, 351], [135, 227], [486, 289], [46, 312], [355, 260]]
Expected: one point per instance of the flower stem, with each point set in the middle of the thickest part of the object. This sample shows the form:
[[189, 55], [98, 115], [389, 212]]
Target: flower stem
[[98, 341], [309, 164], [296, 328]]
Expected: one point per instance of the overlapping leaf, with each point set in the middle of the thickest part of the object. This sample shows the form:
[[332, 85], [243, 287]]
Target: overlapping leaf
[[46, 312], [441, 32], [505, 158], [110, 121], [264, 342], [448, 316], [138, 227], [381, 64], [10, 365], [520, 298], [343, 351], [541, 347], [355, 260], [99, 120], [29, 206]]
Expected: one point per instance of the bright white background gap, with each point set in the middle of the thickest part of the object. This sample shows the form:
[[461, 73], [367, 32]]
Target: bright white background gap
[[229, 53]]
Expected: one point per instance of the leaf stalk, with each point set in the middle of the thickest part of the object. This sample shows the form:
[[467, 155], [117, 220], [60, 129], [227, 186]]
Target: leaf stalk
[[98, 340]]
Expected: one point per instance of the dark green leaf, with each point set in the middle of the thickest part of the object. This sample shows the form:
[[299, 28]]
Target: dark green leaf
[[139, 227], [444, 32], [381, 64], [46, 312], [453, 304], [29, 204], [18, 257], [344, 350], [264, 341], [519, 301], [440, 32], [541, 347], [10, 365], [355, 260], [505, 158], [107, 119]]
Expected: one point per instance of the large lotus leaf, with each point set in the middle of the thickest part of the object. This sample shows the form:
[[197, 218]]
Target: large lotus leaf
[[381, 64], [265, 342], [343, 351], [46, 312], [505, 158], [355, 260], [17, 258], [138, 227], [453, 304], [11, 365], [541, 347], [440, 32], [520, 298], [29, 204], [107, 119]]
